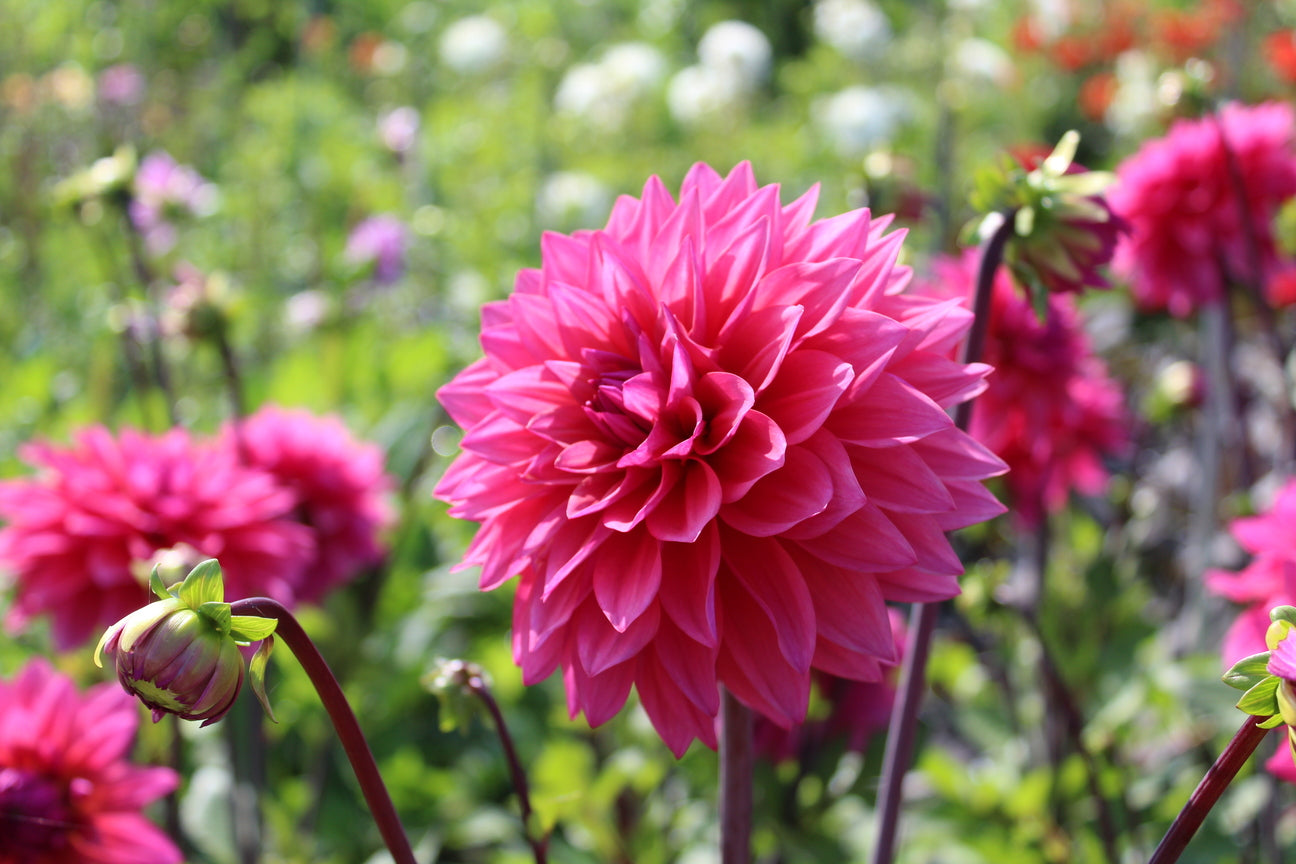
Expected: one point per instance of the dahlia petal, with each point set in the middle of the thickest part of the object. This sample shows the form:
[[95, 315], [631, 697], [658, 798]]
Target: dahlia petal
[[691, 665], [890, 411], [498, 438], [805, 392], [864, 339], [523, 393], [973, 503], [913, 585], [757, 448], [752, 667], [687, 589], [626, 513], [627, 574], [675, 718], [865, 541], [898, 479], [928, 541], [689, 506], [599, 491], [847, 494], [758, 342], [801, 489], [849, 610], [727, 283], [771, 577], [819, 288], [725, 400], [845, 663], [600, 696], [600, 646]]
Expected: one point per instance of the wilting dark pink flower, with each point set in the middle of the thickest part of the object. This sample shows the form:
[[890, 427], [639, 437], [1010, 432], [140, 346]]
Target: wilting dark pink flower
[[1188, 227], [711, 441], [80, 530], [855, 711], [163, 188], [1049, 410], [68, 794], [380, 241], [339, 484]]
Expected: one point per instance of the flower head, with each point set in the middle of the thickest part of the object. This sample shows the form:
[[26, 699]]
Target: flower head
[[1189, 230], [378, 241], [76, 531], [710, 440], [68, 794], [1050, 410], [163, 188], [338, 482], [180, 654]]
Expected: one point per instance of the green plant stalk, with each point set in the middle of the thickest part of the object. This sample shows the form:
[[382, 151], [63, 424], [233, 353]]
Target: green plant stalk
[[343, 718], [922, 618], [1208, 791]]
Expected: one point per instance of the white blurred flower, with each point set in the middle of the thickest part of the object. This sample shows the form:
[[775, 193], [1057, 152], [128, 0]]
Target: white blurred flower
[[739, 50], [605, 93], [1051, 18], [1135, 106], [856, 28], [398, 128], [473, 44], [572, 199], [697, 93], [982, 60], [860, 118]]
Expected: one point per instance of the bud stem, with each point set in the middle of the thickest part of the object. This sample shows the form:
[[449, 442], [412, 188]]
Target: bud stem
[[343, 719], [1208, 791], [922, 617]]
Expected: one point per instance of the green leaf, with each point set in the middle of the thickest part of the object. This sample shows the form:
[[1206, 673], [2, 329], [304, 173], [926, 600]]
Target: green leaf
[[1273, 722], [1024, 221], [204, 584], [1063, 154], [157, 586], [251, 628], [218, 614], [256, 673], [1248, 672], [1261, 700], [1283, 613]]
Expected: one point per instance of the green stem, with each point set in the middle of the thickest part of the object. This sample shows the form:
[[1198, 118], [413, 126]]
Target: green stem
[[343, 719], [922, 619], [1208, 791]]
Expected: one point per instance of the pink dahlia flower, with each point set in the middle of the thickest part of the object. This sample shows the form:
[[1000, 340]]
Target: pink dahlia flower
[[68, 795], [1178, 193], [1049, 410], [339, 484], [855, 711], [80, 530], [711, 442]]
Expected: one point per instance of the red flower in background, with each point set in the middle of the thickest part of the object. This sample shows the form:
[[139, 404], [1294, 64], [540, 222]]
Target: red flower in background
[[338, 483], [68, 795], [710, 440], [1280, 51], [79, 531], [1049, 410], [1188, 227]]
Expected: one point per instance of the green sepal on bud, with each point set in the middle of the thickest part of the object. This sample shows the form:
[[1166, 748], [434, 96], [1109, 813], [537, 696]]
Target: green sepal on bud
[[452, 682], [180, 654]]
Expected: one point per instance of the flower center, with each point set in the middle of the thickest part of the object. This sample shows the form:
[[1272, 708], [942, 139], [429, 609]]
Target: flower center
[[34, 814], [606, 407]]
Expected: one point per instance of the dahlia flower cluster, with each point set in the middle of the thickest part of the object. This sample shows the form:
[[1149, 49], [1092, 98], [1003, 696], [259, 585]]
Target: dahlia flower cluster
[[1191, 230], [1268, 581], [289, 502], [1050, 410], [67, 790], [710, 441]]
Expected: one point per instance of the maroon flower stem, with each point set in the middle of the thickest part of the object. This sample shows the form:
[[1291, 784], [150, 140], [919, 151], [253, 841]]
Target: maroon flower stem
[[736, 767], [343, 719], [1208, 791], [539, 845], [922, 618]]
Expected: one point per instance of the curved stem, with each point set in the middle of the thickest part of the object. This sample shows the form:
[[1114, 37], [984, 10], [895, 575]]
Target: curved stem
[[539, 845], [1209, 790], [343, 719], [736, 761], [922, 619]]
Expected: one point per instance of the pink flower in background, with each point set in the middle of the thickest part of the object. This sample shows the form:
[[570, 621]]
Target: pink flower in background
[[1188, 227], [122, 85], [1050, 410], [162, 189], [80, 530], [710, 456], [68, 795], [380, 241], [856, 711], [339, 484]]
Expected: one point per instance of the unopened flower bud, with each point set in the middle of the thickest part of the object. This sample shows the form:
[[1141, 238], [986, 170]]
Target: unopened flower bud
[[180, 655]]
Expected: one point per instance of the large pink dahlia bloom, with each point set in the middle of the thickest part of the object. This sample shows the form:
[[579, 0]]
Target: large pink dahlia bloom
[[68, 795], [79, 531], [339, 483], [1050, 410], [1188, 222], [710, 455]]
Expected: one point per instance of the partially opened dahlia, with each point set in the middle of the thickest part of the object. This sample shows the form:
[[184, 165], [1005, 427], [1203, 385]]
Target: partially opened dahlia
[[710, 439]]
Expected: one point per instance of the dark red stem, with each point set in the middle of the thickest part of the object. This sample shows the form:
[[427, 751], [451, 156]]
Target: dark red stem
[[736, 767], [922, 618], [1208, 791], [343, 719]]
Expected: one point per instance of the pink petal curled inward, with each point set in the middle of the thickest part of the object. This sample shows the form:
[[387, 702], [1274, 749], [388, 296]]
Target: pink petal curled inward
[[687, 453]]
